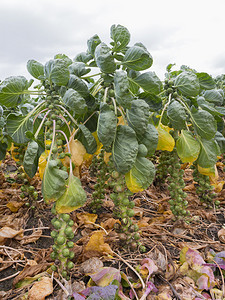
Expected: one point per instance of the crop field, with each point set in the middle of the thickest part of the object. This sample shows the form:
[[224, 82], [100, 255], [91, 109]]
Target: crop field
[[112, 179]]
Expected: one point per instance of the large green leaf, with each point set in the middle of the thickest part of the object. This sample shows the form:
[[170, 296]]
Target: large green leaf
[[104, 58], [206, 81], [188, 147], [107, 124], [138, 116], [35, 68], [75, 102], [154, 102], [125, 148], [208, 153], [92, 43], [140, 175], [73, 198], [30, 161], [137, 58], [83, 57], [78, 85], [204, 124], [120, 36], [79, 69], [149, 82], [3, 149], [54, 182], [176, 114], [17, 126], [64, 57], [87, 139], [187, 83], [149, 138], [11, 90], [220, 139], [57, 71], [213, 96], [210, 107], [122, 92]]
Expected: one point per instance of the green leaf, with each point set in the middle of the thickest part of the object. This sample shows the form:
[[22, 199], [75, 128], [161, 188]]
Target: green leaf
[[35, 68], [87, 139], [208, 107], [11, 90], [138, 116], [220, 139], [208, 153], [75, 102], [79, 69], [206, 81], [107, 125], [177, 115], [154, 102], [137, 58], [3, 150], [78, 85], [188, 147], [149, 139], [188, 84], [73, 198], [122, 92], [64, 57], [30, 161], [125, 148], [140, 175], [83, 57], [92, 43], [54, 182], [204, 124], [149, 82], [104, 58], [17, 126], [213, 96], [120, 35], [56, 70]]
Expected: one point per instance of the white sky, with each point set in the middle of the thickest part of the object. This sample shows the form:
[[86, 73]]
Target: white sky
[[185, 32]]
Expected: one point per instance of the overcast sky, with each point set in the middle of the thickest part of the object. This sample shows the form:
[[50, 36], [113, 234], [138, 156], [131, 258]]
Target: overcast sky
[[189, 32]]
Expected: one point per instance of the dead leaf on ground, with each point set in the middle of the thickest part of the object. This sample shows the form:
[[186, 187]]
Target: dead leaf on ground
[[9, 233], [90, 266], [14, 206], [86, 218], [30, 271], [31, 238], [96, 243], [41, 289], [221, 235], [109, 224]]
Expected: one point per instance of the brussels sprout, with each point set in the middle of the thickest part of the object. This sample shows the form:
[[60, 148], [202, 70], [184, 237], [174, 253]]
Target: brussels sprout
[[70, 265], [60, 240], [71, 255], [68, 231], [64, 274], [65, 217], [65, 252], [54, 268], [137, 236], [54, 234], [57, 224], [53, 255], [70, 244]]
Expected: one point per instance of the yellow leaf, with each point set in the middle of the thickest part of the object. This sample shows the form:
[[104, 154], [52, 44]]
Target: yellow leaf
[[211, 172], [42, 161], [14, 206], [120, 121], [86, 218], [88, 157], [165, 139], [96, 243]]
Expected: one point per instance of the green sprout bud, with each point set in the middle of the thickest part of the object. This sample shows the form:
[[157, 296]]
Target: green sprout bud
[[64, 274], [130, 213], [70, 223], [65, 252], [137, 236], [54, 268], [53, 255], [70, 244], [57, 224], [142, 249], [131, 204], [70, 265], [54, 234], [68, 231], [65, 217], [71, 255], [60, 240]]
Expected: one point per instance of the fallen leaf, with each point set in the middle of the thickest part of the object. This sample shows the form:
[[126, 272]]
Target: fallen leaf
[[14, 206], [109, 223], [8, 233], [96, 243], [86, 218], [91, 266], [31, 238], [221, 235], [41, 289], [105, 276]]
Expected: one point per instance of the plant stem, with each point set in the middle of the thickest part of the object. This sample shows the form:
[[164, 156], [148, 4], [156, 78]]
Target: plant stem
[[42, 122], [66, 111], [164, 108]]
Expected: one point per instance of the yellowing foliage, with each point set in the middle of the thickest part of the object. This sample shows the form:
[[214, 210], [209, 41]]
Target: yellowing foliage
[[165, 139]]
